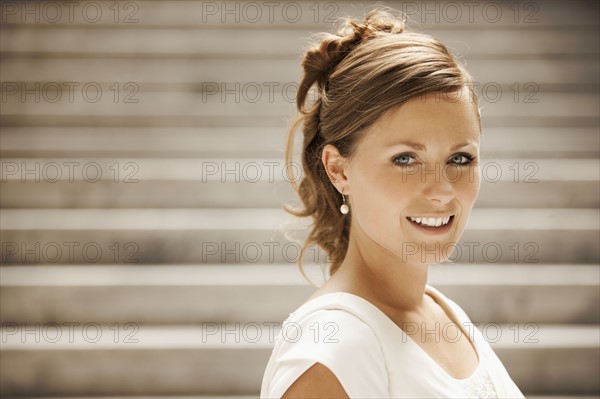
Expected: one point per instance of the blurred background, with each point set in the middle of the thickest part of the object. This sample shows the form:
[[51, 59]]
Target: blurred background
[[143, 243]]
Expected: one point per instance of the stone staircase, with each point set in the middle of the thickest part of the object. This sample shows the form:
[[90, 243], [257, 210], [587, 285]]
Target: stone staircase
[[143, 245]]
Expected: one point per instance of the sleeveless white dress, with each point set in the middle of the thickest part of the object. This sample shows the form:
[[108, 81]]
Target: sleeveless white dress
[[373, 358]]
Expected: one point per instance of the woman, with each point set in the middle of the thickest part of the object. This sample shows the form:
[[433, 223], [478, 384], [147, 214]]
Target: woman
[[391, 172]]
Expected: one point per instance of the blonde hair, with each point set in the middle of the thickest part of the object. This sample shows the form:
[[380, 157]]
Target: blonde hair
[[364, 70]]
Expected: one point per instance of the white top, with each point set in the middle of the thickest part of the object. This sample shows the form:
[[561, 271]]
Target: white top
[[374, 358]]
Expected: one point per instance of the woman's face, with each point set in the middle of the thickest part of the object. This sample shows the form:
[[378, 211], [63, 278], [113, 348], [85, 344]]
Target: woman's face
[[419, 160]]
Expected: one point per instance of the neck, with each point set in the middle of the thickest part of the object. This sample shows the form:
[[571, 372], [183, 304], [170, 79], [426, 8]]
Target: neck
[[374, 273]]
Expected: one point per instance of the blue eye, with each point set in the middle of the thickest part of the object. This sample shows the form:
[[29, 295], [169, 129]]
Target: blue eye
[[463, 158], [459, 159], [403, 159]]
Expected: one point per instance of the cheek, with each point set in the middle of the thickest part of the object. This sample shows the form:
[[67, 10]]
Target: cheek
[[468, 185], [465, 180], [378, 198]]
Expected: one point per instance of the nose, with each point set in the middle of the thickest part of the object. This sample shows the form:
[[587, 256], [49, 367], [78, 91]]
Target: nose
[[438, 189]]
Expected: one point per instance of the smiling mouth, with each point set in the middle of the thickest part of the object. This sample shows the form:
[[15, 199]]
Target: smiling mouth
[[430, 221], [432, 225]]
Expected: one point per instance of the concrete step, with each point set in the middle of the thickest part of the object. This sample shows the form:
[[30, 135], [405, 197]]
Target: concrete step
[[253, 121], [230, 359], [216, 183], [259, 142], [194, 194], [165, 142], [568, 73], [279, 42], [492, 235], [248, 98], [300, 15], [181, 294]]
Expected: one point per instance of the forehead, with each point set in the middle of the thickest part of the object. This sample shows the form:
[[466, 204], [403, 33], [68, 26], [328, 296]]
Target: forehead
[[434, 117]]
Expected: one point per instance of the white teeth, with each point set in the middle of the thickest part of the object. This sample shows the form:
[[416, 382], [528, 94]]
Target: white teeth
[[436, 222]]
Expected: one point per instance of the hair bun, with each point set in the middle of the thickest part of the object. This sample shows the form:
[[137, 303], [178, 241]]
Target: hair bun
[[376, 22], [320, 61]]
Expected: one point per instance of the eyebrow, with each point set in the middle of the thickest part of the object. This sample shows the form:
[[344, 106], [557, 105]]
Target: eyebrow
[[423, 147]]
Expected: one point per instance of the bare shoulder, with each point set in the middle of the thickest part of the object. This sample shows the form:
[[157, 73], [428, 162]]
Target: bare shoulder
[[316, 382]]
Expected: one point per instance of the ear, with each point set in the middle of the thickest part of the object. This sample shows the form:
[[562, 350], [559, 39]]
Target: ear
[[336, 168]]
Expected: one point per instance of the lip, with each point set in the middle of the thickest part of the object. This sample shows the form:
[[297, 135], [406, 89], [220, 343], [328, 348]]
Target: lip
[[433, 230]]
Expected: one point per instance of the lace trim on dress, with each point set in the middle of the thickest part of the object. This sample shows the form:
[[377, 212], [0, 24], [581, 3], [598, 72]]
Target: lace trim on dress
[[480, 385]]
